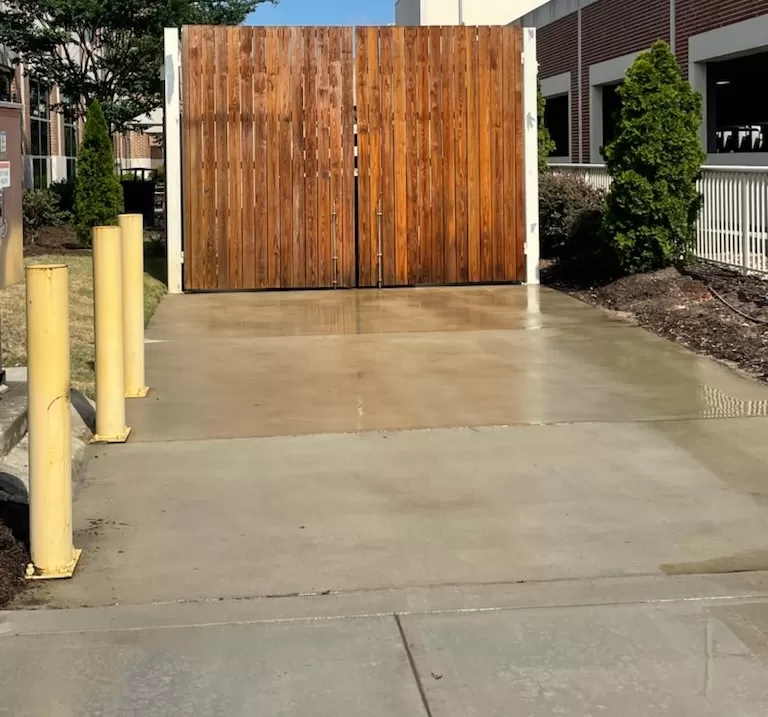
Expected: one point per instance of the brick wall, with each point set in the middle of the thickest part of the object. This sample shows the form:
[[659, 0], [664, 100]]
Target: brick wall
[[561, 55], [697, 16], [612, 28]]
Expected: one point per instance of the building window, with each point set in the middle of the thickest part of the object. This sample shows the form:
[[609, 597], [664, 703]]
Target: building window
[[556, 120], [6, 85], [70, 137], [40, 126], [737, 113], [611, 112]]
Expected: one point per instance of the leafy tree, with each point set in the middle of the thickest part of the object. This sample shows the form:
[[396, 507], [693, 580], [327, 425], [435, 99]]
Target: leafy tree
[[98, 192], [654, 160], [109, 50], [546, 144]]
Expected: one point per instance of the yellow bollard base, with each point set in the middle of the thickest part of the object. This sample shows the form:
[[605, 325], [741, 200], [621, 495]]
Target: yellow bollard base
[[139, 393], [65, 571], [119, 438]]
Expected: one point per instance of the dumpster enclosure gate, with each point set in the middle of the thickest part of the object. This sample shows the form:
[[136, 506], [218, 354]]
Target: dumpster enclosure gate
[[332, 157]]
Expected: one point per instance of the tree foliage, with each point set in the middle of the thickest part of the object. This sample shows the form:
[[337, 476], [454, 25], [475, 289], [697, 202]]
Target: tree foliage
[[546, 143], [106, 50], [98, 192], [654, 160]]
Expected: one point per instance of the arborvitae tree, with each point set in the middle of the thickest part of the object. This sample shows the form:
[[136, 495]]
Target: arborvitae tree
[[654, 161], [98, 192]]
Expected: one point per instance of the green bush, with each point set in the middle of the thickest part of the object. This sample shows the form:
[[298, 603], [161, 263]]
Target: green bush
[[654, 160], [64, 190], [41, 209], [570, 213], [98, 193]]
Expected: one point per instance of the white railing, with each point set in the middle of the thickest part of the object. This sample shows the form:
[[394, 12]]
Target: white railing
[[595, 175], [732, 227]]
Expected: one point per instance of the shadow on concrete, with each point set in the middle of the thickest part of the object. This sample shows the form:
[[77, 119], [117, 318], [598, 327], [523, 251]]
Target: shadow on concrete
[[84, 408]]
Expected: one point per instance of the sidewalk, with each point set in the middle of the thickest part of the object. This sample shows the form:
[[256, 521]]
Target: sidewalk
[[475, 501]]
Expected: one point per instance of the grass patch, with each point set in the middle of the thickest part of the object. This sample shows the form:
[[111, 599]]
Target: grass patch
[[14, 322]]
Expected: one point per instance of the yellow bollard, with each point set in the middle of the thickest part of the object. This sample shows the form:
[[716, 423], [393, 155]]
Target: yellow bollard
[[50, 466], [132, 241], [108, 323]]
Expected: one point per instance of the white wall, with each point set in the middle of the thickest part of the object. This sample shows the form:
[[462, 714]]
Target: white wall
[[473, 12], [497, 12]]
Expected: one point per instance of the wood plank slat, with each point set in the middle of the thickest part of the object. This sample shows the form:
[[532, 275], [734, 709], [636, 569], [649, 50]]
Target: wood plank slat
[[510, 65], [375, 125], [298, 264], [497, 154], [310, 170], [435, 249], [335, 156], [387, 159], [208, 71], [261, 225], [462, 219], [191, 157], [248, 170], [448, 184], [423, 193], [400, 130], [473, 155], [364, 159], [484, 146], [221, 162], [323, 159], [348, 252], [519, 158], [285, 170], [412, 154], [273, 158], [234, 162]]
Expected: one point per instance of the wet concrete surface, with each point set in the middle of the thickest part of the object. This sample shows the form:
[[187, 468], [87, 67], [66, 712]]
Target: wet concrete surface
[[331, 362], [472, 501]]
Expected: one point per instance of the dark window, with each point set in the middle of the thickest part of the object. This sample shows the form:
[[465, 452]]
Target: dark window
[[6, 82], [557, 122], [737, 109], [40, 125], [70, 136], [611, 112]]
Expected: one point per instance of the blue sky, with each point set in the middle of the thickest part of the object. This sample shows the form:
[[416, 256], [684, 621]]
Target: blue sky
[[324, 12]]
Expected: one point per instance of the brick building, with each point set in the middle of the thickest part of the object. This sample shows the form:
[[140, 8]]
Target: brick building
[[51, 138], [586, 46]]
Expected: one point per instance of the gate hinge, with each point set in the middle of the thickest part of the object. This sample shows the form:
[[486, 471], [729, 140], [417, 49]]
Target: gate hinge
[[181, 256]]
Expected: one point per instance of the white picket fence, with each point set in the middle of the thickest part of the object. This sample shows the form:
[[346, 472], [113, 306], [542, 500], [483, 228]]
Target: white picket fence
[[732, 228]]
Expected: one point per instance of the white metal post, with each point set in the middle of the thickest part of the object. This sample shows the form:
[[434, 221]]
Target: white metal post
[[173, 159], [745, 258], [531, 155]]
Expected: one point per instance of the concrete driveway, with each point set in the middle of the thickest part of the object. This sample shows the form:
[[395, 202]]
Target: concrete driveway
[[478, 464]]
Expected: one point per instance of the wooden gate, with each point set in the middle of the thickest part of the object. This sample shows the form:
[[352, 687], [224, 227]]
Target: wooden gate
[[272, 194], [268, 157], [440, 123]]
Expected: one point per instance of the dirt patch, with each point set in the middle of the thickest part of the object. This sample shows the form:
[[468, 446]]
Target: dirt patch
[[702, 307], [56, 240], [13, 553]]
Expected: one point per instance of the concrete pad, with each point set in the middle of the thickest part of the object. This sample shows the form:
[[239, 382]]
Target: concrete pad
[[285, 364], [664, 660], [307, 514], [352, 667]]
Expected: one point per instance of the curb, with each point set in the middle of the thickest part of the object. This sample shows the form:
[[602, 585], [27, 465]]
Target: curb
[[14, 463]]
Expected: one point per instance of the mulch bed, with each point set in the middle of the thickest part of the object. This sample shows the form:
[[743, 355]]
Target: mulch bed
[[689, 306], [13, 552], [55, 240]]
